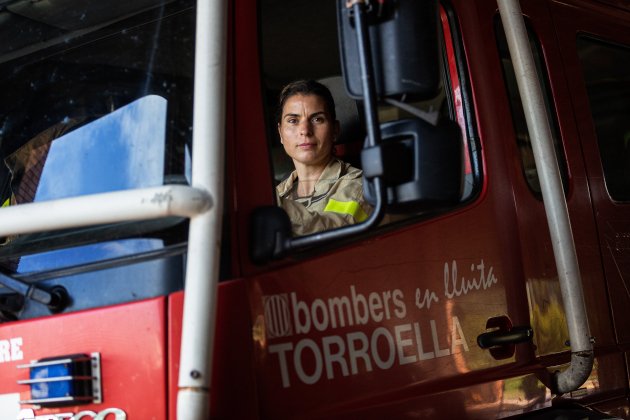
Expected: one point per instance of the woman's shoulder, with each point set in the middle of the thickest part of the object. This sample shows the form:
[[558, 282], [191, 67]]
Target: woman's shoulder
[[284, 187], [348, 171]]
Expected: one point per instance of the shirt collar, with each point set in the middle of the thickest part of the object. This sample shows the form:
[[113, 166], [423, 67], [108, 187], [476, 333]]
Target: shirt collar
[[331, 173]]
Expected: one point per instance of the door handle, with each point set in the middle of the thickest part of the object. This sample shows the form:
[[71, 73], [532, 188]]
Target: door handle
[[501, 341], [514, 335]]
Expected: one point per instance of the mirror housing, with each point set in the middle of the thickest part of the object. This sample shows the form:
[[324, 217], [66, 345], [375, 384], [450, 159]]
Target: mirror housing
[[422, 165], [270, 230], [404, 45]]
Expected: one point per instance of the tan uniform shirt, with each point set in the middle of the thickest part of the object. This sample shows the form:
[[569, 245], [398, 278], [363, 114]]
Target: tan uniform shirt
[[336, 201]]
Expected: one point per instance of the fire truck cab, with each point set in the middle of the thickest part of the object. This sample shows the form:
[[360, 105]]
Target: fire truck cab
[[147, 273]]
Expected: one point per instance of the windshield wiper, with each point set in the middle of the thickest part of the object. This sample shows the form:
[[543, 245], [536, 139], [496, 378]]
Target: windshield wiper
[[56, 299]]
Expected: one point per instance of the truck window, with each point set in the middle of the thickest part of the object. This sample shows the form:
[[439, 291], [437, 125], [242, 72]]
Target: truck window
[[605, 70], [96, 100], [121, 150], [308, 48], [518, 116]]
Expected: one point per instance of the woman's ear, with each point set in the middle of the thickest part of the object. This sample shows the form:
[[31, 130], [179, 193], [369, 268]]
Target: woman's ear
[[280, 134]]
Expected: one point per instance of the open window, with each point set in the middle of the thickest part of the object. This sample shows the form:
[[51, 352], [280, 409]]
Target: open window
[[309, 49]]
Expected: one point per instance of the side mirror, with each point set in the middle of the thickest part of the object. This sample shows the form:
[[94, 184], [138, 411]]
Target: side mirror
[[270, 230], [404, 47], [422, 165]]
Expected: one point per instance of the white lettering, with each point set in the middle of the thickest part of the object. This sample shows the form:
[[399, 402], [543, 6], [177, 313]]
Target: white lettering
[[320, 315], [29, 414], [336, 306], [387, 295], [317, 358], [281, 349], [335, 312], [436, 344], [300, 308], [386, 363], [421, 353], [16, 348], [375, 306], [358, 353], [117, 412], [359, 304], [306, 360], [11, 350], [425, 302], [401, 308], [340, 355], [330, 357], [457, 336], [26, 414], [5, 351], [402, 343], [82, 414], [457, 287], [454, 286]]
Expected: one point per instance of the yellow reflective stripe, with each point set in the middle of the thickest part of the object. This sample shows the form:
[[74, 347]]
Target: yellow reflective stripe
[[7, 203], [347, 207]]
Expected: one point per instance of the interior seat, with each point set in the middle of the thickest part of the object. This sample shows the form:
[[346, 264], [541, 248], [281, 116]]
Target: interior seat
[[349, 113]]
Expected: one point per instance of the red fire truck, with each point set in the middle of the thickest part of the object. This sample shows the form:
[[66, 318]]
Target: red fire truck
[[146, 273]]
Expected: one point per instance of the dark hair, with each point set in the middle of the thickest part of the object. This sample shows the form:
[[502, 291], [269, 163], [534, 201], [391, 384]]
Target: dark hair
[[306, 87]]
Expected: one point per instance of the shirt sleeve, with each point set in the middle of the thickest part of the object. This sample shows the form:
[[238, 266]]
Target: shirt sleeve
[[346, 206]]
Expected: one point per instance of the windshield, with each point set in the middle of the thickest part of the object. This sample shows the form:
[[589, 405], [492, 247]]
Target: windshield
[[96, 97], [122, 150], [101, 103]]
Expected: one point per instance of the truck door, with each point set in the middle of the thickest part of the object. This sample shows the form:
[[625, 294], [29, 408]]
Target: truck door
[[556, 35], [559, 81], [594, 42], [539, 273], [384, 323]]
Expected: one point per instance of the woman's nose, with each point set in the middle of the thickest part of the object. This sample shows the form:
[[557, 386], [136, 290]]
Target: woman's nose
[[305, 127]]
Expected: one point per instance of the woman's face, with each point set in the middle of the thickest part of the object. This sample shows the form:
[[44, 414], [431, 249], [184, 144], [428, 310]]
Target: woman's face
[[307, 130]]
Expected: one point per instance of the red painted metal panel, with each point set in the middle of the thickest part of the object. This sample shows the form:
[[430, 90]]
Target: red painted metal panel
[[253, 179], [350, 329], [385, 325], [175, 315], [131, 340], [613, 219], [233, 390], [415, 300]]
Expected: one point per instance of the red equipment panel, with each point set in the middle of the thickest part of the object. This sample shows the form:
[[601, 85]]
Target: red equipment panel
[[130, 339]]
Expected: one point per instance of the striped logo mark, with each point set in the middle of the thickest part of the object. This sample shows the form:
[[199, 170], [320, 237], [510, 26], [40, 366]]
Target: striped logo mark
[[277, 317]]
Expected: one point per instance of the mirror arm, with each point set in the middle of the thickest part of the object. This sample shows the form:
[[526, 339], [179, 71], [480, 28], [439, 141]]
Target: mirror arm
[[367, 72], [342, 232], [373, 139]]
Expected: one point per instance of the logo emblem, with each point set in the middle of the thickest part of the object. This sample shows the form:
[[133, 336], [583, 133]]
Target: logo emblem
[[277, 317]]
